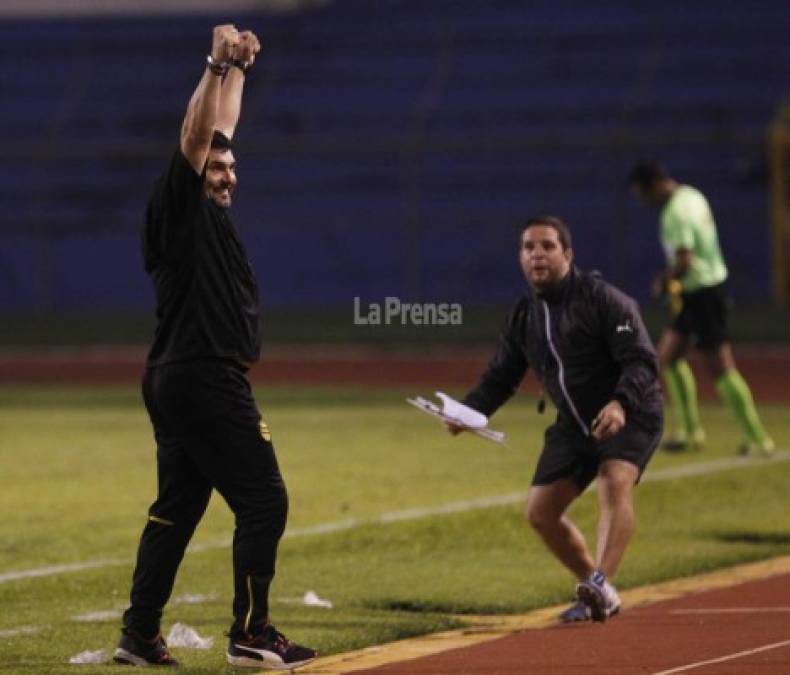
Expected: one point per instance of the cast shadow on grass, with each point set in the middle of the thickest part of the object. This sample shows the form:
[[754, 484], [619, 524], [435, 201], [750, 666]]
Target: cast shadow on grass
[[744, 537], [417, 606], [434, 607]]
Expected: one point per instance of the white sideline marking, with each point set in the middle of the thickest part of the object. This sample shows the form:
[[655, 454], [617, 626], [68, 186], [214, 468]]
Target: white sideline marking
[[22, 630], [112, 614], [193, 598], [670, 473], [99, 615], [714, 466], [58, 569], [733, 610], [721, 659]]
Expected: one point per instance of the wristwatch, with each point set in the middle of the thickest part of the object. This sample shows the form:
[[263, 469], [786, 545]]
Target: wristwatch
[[243, 66], [217, 67]]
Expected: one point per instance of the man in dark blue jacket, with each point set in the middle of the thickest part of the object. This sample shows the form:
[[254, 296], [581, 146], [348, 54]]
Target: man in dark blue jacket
[[590, 350]]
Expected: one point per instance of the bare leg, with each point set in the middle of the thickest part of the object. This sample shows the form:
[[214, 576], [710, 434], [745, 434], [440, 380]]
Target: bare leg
[[616, 480], [546, 506]]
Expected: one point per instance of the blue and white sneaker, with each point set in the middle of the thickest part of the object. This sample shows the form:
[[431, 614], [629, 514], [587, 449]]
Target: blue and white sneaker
[[599, 595], [577, 612], [270, 650]]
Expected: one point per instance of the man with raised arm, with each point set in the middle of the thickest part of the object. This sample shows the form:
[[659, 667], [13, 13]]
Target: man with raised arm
[[208, 430]]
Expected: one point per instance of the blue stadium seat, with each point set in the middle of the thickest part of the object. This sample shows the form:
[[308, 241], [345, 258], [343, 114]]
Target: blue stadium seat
[[394, 147]]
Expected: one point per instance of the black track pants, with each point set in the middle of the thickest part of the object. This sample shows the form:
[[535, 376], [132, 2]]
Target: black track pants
[[209, 436]]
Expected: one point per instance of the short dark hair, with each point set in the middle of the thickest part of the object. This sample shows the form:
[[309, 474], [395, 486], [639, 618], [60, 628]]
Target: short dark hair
[[647, 173], [557, 224], [220, 141]]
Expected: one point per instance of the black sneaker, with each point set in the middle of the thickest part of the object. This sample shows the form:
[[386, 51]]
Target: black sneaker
[[675, 445], [134, 650], [695, 440], [271, 649]]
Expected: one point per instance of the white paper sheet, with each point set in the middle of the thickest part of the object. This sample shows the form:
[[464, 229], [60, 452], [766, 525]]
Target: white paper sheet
[[89, 657], [181, 635], [459, 414]]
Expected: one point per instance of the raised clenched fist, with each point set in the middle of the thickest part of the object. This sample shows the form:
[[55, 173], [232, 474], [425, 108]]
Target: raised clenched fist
[[247, 48], [226, 39]]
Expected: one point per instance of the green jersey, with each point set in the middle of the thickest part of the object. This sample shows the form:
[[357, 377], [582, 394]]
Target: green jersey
[[687, 223]]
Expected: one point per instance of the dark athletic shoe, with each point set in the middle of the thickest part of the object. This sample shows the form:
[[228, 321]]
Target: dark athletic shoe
[[577, 612], [271, 649], [134, 650], [767, 448], [694, 441], [600, 597], [675, 445]]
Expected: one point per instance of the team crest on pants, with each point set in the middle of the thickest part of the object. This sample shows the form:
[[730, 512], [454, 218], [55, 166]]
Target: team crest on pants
[[266, 435]]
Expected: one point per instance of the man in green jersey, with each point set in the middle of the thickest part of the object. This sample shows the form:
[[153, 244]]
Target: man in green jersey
[[695, 281]]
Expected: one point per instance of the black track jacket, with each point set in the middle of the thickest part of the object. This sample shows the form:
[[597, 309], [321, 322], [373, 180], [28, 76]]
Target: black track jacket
[[587, 345]]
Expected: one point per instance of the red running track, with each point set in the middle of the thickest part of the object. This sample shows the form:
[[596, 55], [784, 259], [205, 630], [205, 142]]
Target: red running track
[[740, 630], [432, 367]]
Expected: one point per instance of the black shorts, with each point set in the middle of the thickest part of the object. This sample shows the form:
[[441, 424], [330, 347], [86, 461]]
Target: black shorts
[[568, 453], [704, 316]]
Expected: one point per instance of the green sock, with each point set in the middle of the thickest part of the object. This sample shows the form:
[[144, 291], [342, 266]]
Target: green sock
[[734, 391], [682, 389], [673, 385], [688, 388]]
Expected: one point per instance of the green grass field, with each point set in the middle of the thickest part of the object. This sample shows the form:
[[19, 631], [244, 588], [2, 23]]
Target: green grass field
[[77, 476]]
